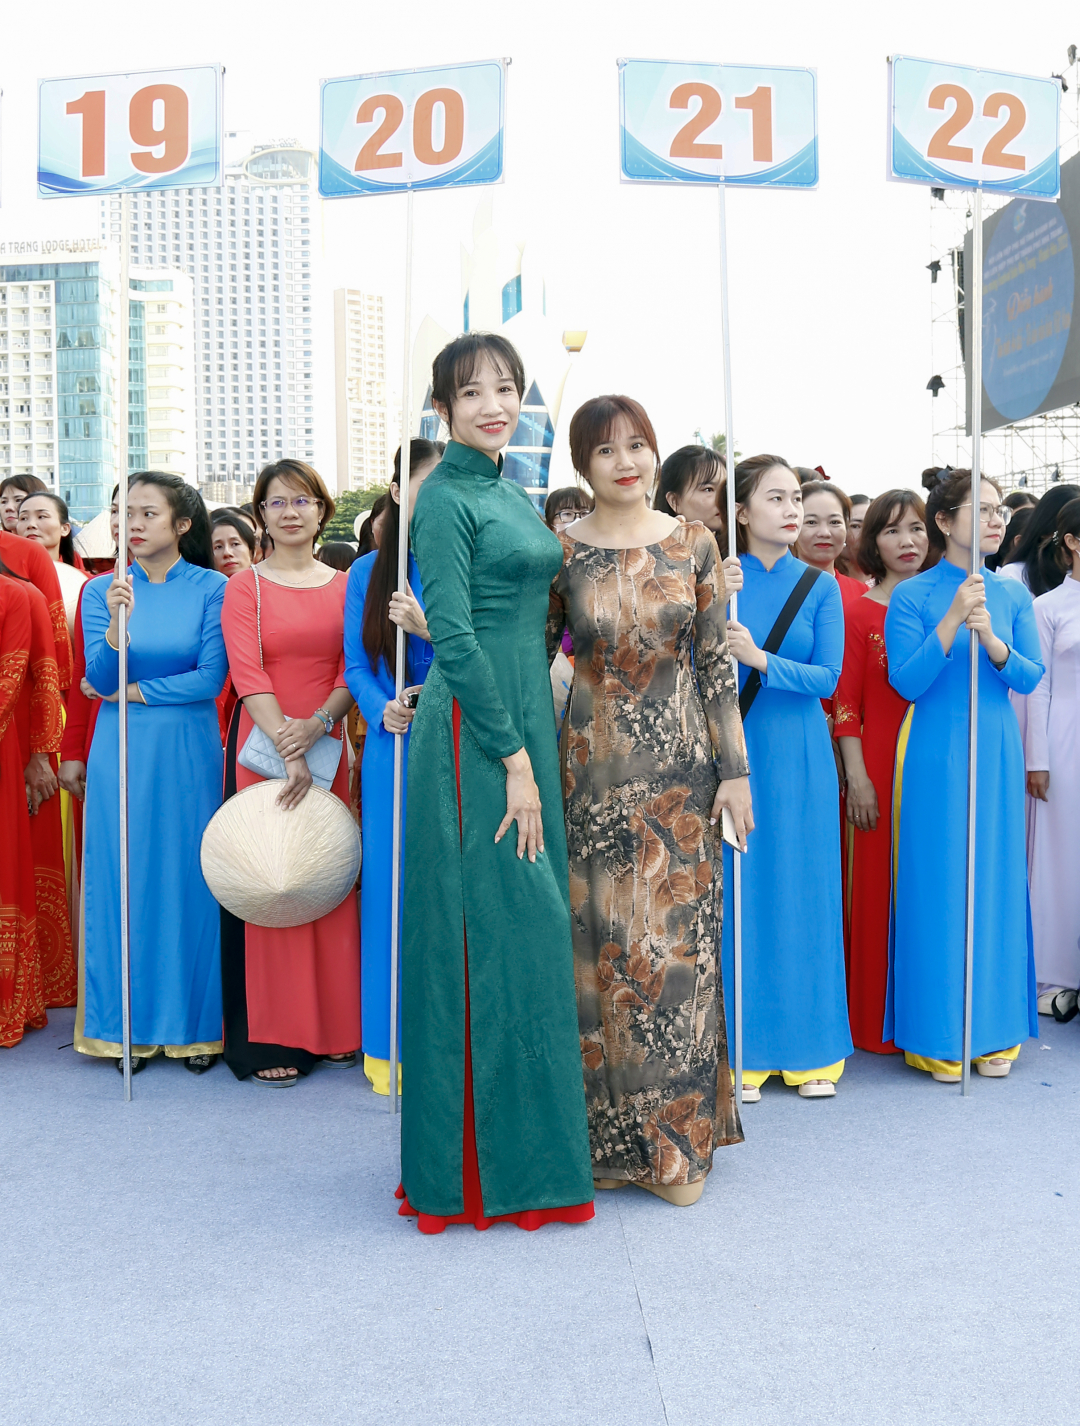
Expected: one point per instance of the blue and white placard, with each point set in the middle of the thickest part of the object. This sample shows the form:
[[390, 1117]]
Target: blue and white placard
[[954, 126], [746, 124], [412, 128], [107, 132]]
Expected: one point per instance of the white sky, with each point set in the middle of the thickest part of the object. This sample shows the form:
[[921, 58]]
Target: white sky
[[830, 296]]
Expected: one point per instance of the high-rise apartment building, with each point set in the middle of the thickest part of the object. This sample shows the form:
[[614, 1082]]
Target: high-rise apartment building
[[59, 349], [367, 433], [161, 375], [248, 250]]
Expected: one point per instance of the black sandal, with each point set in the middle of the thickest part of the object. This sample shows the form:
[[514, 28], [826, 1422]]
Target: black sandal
[[1064, 1005], [199, 1064], [340, 1061], [285, 1081], [138, 1062]]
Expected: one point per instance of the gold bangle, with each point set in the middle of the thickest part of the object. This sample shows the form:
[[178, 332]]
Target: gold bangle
[[115, 647]]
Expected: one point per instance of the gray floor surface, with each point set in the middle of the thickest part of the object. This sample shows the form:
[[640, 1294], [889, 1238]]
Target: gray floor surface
[[216, 1252]]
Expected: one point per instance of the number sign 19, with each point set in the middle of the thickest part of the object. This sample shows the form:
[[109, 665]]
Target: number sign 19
[[718, 123], [160, 129], [957, 127], [415, 128]]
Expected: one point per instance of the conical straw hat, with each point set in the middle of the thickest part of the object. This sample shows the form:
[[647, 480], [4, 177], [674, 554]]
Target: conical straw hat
[[280, 868]]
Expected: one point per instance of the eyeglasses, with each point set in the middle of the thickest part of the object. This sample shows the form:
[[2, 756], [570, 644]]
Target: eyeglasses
[[1004, 513], [298, 502], [567, 517]]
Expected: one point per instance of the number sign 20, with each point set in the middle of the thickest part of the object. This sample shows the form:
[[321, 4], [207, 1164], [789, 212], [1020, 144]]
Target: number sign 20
[[160, 129], [954, 126], [416, 128]]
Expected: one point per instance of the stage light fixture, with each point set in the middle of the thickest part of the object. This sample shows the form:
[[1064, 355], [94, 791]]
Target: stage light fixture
[[933, 268], [1072, 55], [935, 384], [938, 193], [1061, 80]]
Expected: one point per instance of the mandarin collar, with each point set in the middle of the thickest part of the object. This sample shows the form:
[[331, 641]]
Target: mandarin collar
[[752, 562], [954, 572], [175, 570], [475, 462]]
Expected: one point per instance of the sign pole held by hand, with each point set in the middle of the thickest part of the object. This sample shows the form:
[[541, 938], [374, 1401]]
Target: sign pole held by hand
[[396, 132], [121, 397], [401, 647], [87, 127], [720, 124], [956, 126], [733, 605]]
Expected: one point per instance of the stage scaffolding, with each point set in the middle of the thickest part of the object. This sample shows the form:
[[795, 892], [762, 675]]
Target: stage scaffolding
[[1031, 454]]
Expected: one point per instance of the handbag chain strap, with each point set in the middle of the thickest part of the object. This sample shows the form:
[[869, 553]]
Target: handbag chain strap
[[258, 612]]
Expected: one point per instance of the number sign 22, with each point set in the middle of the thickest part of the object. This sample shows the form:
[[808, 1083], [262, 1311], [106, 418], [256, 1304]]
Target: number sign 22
[[955, 126]]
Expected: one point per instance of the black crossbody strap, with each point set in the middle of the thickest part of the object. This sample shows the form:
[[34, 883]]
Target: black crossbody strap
[[794, 602]]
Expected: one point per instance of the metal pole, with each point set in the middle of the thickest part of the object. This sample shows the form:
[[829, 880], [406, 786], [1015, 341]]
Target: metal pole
[[121, 406], [399, 680], [975, 335], [729, 456]]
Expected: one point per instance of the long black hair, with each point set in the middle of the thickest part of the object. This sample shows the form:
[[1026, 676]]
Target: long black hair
[[67, 543], [196, 544], [378, 632], [1035, 549]]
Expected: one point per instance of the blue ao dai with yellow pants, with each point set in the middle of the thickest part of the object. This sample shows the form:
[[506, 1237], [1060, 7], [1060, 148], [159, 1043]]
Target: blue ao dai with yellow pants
[[924, 1007], [794, 990]]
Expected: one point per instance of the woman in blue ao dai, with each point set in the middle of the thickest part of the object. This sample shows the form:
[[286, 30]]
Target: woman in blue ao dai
[[176, 668], [373, 612], [929, 650], [795, 1019]]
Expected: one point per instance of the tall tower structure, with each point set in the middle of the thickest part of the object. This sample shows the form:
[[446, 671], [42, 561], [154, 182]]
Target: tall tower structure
[[248, 250], [366, 434]]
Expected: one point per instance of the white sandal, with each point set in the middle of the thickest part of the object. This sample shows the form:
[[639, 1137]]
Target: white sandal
[[751, 1093], [817, 1089], [994, 1067]]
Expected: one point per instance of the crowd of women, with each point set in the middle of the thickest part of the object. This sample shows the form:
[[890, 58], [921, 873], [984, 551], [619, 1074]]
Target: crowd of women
[[567, 950]]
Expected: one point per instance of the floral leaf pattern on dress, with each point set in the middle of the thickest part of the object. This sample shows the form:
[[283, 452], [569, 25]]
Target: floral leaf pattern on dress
[[651, 725]]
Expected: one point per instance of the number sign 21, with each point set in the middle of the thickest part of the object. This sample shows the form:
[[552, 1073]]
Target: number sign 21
[[999, 131], [110, 132], [748, 124]]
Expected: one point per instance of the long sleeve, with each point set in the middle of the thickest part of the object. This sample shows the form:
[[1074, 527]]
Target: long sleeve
[[444, 539], [1036, 737], [364, 683], [240, 632], [46, 705], [204, 682], [79, 707], [102, 660], [1024, 667], [916, 657], [848, 704], [30, 560], [816, 679], [556, 619], [14, 648], [716, 678]]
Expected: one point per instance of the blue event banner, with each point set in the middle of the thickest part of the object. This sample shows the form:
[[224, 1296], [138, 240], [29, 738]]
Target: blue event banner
[[412, 128], [955, 126], [109, 132], [745, 124]]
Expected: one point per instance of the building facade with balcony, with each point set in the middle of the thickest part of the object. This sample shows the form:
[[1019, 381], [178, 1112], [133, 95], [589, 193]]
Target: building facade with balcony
[[368, 421], [248, 251], [58, 344]]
